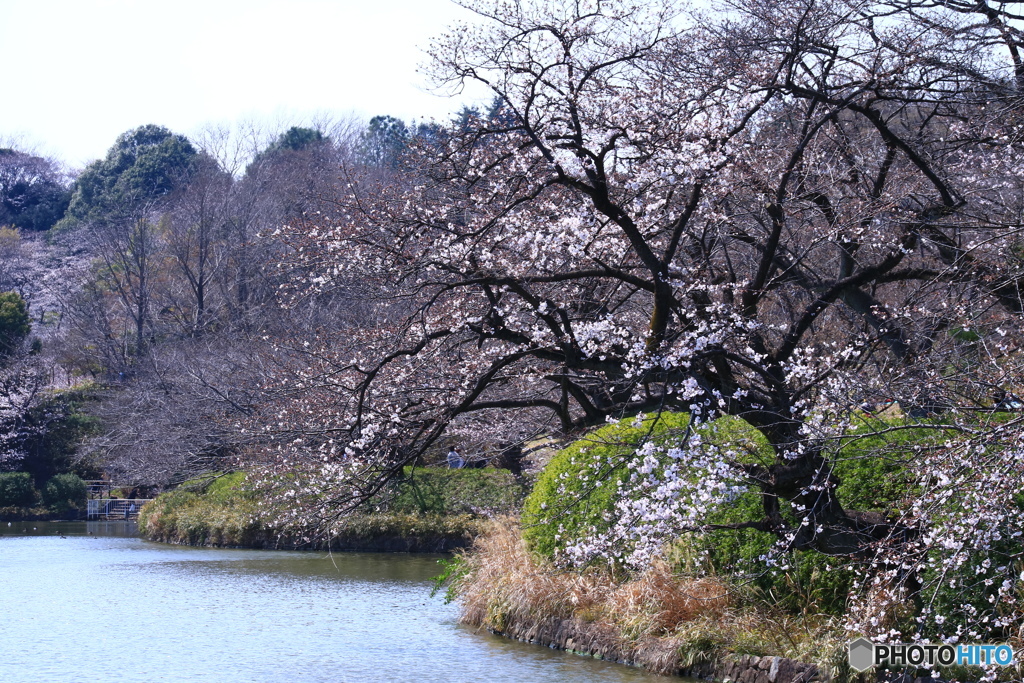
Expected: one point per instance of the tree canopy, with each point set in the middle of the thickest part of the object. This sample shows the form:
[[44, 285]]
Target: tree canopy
[[143, 165], [792, 219], [383, 141], [778, 215], [33, 191], [14, 323], [295, 139]]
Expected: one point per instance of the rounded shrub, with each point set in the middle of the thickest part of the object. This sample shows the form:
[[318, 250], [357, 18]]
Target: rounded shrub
[[65, 492], [876, 462], [575, 495], [16, 490]]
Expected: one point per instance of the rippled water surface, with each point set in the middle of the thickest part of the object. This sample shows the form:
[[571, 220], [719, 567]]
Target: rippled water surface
[[91, 602]]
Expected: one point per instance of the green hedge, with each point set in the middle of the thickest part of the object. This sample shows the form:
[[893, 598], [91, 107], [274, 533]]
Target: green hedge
[[871, 459], [575, 495], [16, 490], [65, 492], [447, 492]]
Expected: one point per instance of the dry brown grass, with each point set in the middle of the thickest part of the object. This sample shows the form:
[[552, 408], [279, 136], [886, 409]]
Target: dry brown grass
[[507, 588], [657, 602], [505, 582], [659, 620]]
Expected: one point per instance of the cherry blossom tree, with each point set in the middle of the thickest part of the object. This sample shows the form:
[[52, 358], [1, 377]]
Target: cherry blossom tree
[[21, 378], [777, 211]]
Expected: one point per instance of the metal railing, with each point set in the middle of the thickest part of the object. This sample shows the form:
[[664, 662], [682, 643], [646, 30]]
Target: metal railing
[[115, 508]]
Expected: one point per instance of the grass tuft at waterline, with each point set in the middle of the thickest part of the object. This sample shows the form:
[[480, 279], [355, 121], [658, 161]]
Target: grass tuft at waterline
[[661, 620]]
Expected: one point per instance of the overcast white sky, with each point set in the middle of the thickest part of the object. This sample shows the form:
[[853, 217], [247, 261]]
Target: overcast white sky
[[80, 72]]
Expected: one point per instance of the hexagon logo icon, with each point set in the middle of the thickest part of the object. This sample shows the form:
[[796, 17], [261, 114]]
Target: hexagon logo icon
[[862, 654]]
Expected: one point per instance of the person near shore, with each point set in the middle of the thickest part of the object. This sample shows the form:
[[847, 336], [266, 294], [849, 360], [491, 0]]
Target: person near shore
[[455, 460]]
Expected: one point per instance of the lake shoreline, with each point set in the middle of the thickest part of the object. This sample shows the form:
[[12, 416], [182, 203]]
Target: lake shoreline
[[601, 641], [41, 514], [84, 599], [428, 510], [391, 533]]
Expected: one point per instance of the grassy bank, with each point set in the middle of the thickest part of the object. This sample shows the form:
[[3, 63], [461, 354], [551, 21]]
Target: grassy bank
[[427, 511]]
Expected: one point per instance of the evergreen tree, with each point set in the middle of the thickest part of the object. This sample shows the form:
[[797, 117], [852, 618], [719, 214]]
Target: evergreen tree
[[143, 165]]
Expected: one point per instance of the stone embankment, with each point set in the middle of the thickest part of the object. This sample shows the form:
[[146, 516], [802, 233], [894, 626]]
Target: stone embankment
[[591, 639], [751, 669]]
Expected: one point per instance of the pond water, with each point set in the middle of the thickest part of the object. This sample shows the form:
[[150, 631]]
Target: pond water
[[91, 601]]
